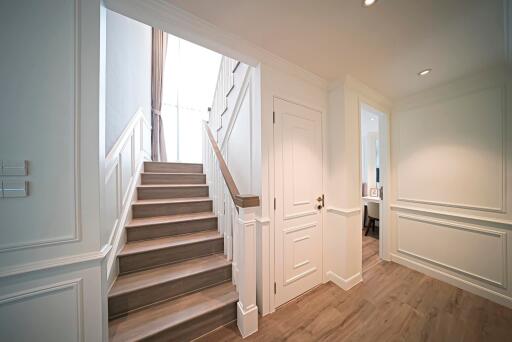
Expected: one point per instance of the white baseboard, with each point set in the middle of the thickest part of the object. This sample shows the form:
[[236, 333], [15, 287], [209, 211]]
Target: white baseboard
[[247, 321], [453, 280], [345, 284]]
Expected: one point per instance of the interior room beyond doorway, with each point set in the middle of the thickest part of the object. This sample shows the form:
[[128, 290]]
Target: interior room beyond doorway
[[371, 185]]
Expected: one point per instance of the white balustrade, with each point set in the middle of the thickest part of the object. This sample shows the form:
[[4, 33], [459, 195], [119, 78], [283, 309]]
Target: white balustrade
[[238, 227]]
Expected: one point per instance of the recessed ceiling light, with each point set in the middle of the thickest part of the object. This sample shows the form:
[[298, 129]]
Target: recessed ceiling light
[[368, 3], [424, 72]]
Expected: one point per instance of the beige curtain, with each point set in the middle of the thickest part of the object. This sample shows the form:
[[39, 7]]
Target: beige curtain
[[159, 51]]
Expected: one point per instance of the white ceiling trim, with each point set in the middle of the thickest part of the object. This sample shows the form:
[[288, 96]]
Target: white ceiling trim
[[366, 93], [176, 21]]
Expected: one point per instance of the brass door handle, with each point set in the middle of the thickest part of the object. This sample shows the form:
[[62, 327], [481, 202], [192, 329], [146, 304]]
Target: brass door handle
[[321, 200]]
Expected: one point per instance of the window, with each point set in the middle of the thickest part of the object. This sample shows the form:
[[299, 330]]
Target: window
[[190, 77]]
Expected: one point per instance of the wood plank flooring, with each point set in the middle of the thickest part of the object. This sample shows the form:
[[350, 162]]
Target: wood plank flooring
[[393, 303], [370, 250]]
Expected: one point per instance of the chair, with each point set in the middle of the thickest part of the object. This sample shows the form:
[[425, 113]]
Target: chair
[[373, 215]]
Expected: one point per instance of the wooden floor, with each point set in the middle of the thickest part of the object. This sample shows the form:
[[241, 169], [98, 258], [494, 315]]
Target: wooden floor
[[370, 249], [393, 303]]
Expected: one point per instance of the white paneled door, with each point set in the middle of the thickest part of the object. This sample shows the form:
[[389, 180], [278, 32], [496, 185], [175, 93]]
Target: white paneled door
[[298, 192]]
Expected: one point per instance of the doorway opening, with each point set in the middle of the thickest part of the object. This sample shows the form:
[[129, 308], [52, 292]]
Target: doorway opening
[[373, 167]]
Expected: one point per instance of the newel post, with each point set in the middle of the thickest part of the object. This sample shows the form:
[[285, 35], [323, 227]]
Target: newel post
[[247, 311]]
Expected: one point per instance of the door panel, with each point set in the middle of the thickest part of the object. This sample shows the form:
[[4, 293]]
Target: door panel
[[298, 184]]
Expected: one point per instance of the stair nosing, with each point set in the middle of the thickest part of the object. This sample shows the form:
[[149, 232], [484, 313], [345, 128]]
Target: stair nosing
[[183, 243], [168, 325], [171, 163], [172, 201], [172, 173], [163, 281], [180, 185], [181, 220]]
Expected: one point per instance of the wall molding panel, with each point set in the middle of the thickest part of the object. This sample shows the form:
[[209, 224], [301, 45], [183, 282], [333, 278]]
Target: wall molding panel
[[490, 121], [455, 216], [75, 234], [343, 211], [54, 263], [430, 234], [51, 292], [450, 191]]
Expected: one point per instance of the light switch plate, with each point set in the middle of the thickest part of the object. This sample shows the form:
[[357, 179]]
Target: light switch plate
[[14, 188], [14, 168]]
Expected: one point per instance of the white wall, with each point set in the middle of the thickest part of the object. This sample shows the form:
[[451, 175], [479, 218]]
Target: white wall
[[128, 74], [451, 162], [342, 220], [51, 114], [238, 134]]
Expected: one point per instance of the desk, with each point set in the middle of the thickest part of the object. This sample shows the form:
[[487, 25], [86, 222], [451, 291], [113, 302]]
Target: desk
[[367, 199]]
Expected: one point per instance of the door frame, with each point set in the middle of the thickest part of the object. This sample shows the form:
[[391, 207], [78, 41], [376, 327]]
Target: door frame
[[385, 173], [272, 184]]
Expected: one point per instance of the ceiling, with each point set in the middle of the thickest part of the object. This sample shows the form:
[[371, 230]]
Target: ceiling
[[384, 46], [369, 119]]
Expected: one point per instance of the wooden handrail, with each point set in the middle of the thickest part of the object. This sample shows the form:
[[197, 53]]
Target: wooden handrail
[[242, 201]]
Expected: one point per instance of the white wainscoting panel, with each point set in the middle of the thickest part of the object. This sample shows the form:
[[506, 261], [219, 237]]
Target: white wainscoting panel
[[450, 152], [43, 121], [471, 251], [112, 202], [126, 158], [52, 313], [122, 166]]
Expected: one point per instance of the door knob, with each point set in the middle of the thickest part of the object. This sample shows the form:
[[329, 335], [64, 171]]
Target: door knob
[[321, 200]]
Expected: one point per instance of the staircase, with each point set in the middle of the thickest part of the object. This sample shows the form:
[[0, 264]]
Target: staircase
[[174, 281]]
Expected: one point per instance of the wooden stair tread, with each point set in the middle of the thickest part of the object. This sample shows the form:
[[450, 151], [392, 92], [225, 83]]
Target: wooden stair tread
[[172, 173], [142, 279], [171, 186], [167, 242], [174, 280], [165, 167], [146, 221], [159, 317], [172, 200], [170, 163]]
